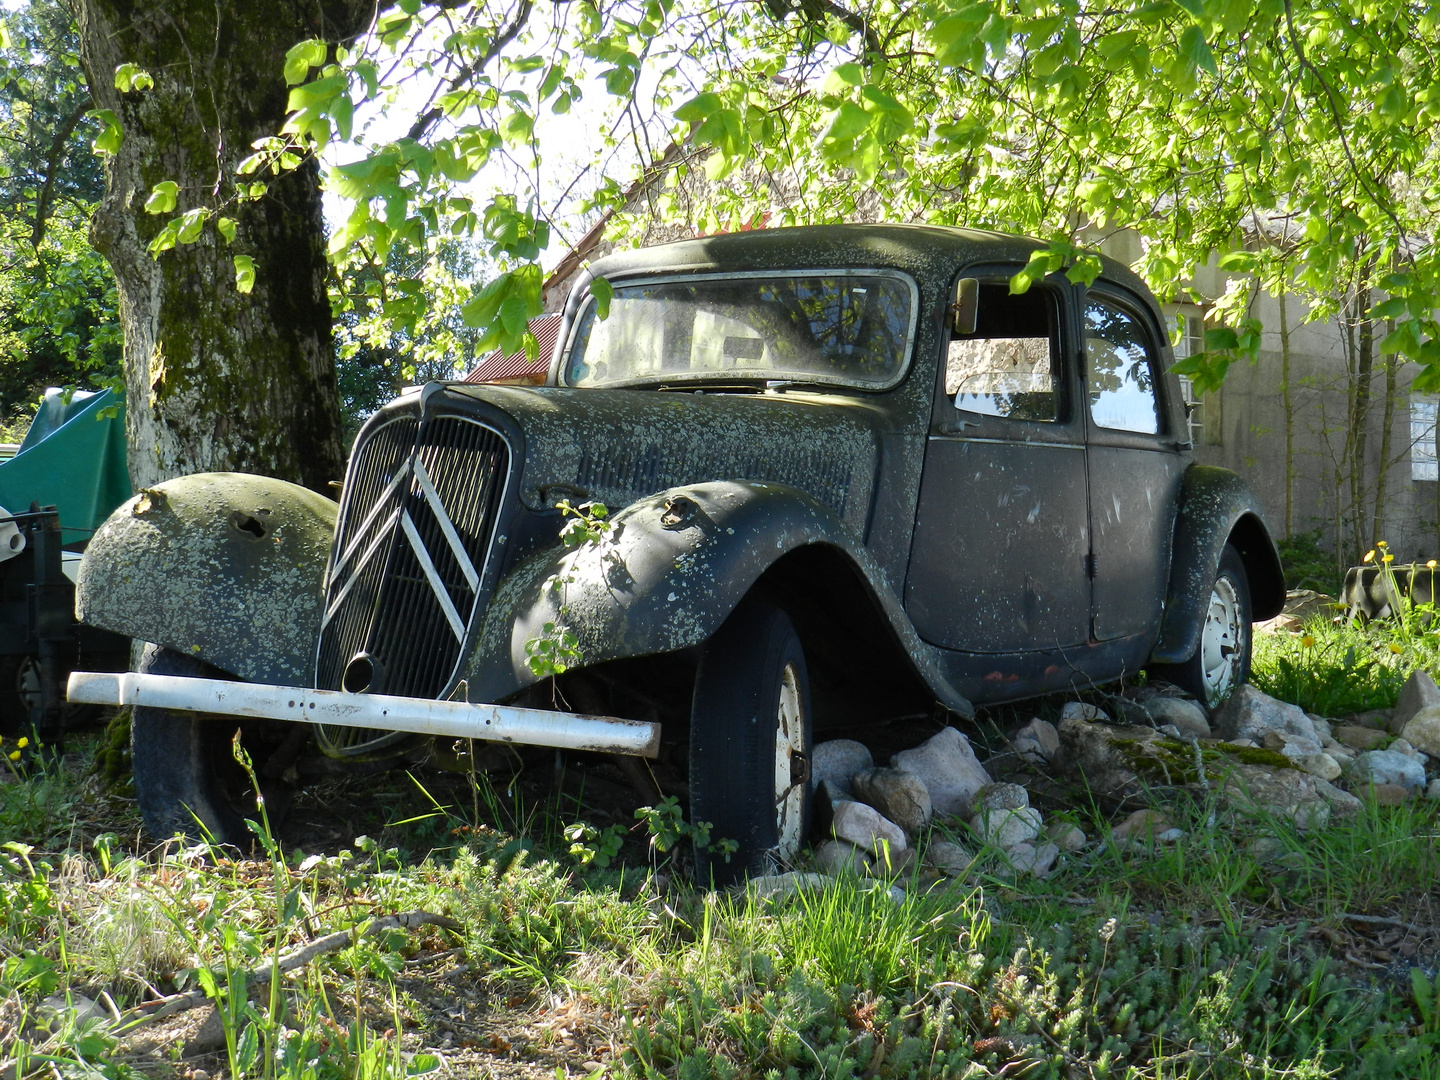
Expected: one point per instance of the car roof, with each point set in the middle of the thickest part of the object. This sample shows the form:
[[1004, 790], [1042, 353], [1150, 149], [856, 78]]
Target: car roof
[[924, 250]]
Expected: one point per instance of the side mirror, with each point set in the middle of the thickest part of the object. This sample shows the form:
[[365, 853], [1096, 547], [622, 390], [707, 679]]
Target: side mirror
[[966, 308]]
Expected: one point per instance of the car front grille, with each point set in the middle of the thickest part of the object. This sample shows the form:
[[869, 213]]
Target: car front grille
[[407, 572]]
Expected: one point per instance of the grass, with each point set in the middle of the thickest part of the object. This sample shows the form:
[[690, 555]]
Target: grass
[[1244, 949]]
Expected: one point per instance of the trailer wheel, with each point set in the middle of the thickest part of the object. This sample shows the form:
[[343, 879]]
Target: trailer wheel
[[21, 710], [187, 780], [750, 744]]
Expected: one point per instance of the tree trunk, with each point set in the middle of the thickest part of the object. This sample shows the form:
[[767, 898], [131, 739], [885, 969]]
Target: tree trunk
[[216, 379]]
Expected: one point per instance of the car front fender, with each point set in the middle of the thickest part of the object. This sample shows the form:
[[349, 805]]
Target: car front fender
[[226, 567], [1217, 508], [670, 569]]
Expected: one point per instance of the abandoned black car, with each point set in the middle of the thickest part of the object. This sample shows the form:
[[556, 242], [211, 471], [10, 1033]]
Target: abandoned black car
[[849, 477]]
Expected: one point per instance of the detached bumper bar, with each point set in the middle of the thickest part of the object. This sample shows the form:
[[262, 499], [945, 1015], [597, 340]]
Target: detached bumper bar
[[450, 719]]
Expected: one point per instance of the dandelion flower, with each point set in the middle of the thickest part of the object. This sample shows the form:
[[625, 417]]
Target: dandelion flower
[[14, 755], [1381, 544], [1430, 565], [22, 742], [1395, 648], [1369, 556], [1388, 558], [1308, 641]]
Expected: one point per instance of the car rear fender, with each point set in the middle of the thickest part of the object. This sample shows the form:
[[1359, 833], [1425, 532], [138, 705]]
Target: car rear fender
[[225, 567], [1216, 508], [670, 569]]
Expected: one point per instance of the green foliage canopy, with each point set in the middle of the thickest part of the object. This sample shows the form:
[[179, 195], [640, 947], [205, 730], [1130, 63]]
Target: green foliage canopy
[[1292, 143]]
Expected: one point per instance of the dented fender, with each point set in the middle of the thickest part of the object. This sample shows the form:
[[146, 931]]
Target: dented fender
[[226, 567], [1216, 507], [669, 571]]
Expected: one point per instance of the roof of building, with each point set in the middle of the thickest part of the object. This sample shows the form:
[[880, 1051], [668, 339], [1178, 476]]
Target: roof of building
[[507, 367]]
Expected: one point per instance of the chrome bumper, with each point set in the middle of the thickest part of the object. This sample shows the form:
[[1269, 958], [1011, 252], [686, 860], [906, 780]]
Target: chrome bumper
[[449, 719]]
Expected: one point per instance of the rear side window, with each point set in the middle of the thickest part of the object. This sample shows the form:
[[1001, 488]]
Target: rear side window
[[1010, 366], [1119, 369]]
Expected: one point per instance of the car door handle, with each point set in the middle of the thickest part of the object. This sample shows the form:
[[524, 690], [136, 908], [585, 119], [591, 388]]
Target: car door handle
[[953, 427]]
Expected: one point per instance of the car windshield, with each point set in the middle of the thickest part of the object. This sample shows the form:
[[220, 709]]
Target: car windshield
[[841, 328]]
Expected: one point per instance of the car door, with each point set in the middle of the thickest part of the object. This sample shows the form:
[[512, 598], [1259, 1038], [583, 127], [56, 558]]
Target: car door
[[998, 561], [1134, 462]]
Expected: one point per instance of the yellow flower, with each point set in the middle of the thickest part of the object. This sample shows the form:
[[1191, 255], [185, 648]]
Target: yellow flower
[[1395, 648], [22, 742], [1368, 556], [1308, 641], [1430, 565], [1381, 544], [1388, 558], [14, 755]]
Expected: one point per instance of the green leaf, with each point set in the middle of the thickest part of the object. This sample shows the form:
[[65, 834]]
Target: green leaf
[[843, 76], [845, 124], [301, 58], [603, 293], [226, 228], [130, 77], [111, 134], [244, 273], [163, 197], [889, 118], [1196, 50], [698, 108]]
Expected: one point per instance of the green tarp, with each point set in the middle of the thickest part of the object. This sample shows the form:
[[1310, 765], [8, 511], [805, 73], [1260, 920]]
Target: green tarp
[[72, 459]]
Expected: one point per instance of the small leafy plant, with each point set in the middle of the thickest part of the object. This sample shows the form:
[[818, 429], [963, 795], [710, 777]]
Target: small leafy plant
[[556, 649]]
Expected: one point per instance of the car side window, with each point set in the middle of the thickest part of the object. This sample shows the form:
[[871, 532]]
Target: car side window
[[1010, 366], [1119, 370]]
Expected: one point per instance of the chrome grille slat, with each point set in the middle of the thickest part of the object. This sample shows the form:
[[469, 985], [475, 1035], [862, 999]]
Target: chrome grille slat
[[417, 522]]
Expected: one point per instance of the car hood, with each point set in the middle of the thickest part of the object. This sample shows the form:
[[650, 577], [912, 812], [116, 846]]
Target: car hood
[[616, 446]]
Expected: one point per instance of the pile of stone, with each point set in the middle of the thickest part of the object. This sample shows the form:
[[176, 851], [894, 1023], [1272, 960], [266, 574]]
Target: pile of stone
[[876, 815], [1255, 755]]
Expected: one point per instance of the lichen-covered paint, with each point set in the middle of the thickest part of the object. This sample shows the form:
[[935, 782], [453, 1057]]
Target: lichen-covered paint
[[655, 587], [226, 567]]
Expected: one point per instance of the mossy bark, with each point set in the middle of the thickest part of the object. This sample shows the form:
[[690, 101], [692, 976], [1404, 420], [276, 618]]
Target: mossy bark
[[216, 379]]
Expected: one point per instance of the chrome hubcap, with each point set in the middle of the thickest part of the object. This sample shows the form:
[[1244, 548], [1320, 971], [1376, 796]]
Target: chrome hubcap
[[1221, 640], [792, 772]]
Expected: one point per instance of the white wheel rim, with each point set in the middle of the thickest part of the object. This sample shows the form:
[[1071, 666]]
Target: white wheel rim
[[1221, 639], [790, 780], [27, 685]]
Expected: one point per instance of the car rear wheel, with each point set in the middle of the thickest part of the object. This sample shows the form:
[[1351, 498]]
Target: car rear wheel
[[1221, 662], [750, 744], [187, 780]]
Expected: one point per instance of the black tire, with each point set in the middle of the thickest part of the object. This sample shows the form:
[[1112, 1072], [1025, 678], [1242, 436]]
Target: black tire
[[187, 780], [751, 672], [20, 712], [1221, 663]]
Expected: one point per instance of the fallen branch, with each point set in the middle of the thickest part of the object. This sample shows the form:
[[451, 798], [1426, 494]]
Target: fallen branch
[[261, 974], [1384, 920]]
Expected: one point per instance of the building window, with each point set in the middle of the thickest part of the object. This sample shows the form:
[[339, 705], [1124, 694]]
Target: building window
[[1188, 338], [1422, 437]]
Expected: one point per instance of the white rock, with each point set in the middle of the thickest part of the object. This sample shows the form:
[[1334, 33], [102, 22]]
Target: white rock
[[1422, 730], [833, 763], [950, 859], [1403, 746], [866, 827], [1066, 836], [1037, 742], [1037, 859], [1002, 797], [1006, 828], [1081, 710], [900, 795], [1322, 765], [1169, 836], [948, 768], [1433, 791], [1153, 706], [1292, 746], [781, 886], [1321, 725], [1386, 767], [78, 1010], [836, 857], [1417, 695], [1250, 714]]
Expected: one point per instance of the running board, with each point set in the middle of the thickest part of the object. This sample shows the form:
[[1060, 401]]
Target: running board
[[448, 719]]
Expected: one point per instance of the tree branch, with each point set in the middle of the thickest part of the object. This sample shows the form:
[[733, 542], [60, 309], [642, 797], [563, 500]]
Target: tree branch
[[52, 167], [431, 116]]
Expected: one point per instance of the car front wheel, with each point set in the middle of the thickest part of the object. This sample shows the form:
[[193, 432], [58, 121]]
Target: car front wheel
[[187, 780], [1221, 662], [750, 745]]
